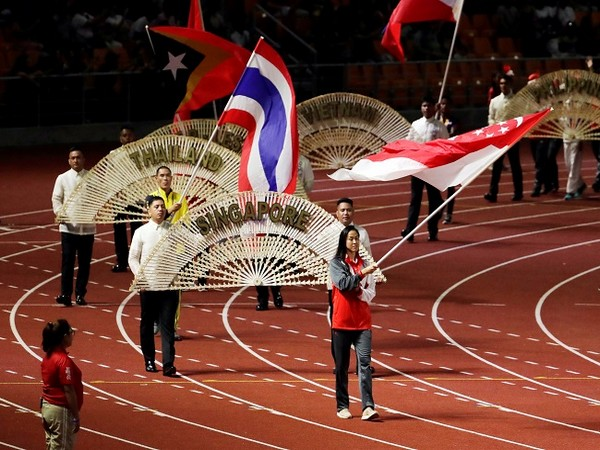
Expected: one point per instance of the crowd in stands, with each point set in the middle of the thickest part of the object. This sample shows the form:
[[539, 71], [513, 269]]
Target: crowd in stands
[[61, 37]]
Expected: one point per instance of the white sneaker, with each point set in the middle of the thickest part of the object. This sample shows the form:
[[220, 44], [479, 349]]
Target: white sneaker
[[344, 414], [369, 414]]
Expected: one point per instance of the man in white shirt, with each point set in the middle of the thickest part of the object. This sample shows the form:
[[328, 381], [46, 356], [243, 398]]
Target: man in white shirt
[[425, 129], [77, 240], [495, 115], [155, 305]]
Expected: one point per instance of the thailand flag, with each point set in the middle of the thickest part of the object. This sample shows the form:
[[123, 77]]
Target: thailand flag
[[264, 103], [443, 162]]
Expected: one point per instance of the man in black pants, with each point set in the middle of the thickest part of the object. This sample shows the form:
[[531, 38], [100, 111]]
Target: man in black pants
[[495, 115], [77, 239], [422, 130], [126, 135]]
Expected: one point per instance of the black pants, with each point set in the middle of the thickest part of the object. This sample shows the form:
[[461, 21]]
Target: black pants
[[120, 238], [263, 293], [342, 343], [514, 159], [158, 306], [414, 210], [75, 246], [450, 204], [544, 152], [596, 151]]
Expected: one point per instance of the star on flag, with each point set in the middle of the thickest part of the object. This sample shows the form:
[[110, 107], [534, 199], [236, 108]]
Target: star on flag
[[442, 162], [175, 63]]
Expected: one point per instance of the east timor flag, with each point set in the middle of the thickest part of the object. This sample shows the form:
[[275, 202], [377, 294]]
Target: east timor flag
[[201, 64]]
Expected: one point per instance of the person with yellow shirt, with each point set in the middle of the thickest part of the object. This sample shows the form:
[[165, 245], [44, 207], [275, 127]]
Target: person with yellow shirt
[[177, 208]]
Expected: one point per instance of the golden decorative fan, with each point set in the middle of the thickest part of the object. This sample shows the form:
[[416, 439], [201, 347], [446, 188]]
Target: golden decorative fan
[[575, 97], [245, 239], [338, 129], [120, 182], [228, 135]]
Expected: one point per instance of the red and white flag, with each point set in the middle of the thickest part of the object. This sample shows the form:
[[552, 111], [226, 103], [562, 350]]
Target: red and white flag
[[409, 11], [442, 162]]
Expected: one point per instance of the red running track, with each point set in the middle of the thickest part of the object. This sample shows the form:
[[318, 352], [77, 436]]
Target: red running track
[[486, 339]]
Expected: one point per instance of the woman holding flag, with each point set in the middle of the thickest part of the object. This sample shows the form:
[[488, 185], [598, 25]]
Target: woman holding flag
[[352, 291]]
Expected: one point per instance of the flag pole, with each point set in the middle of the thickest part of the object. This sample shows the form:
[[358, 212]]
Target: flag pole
[[450, 54], [214, 132], [440, 208]]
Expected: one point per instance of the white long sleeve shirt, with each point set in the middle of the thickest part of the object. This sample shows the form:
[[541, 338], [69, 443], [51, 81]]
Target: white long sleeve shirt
[[63, 187], [424, 130], [144, 240], [496, 108]]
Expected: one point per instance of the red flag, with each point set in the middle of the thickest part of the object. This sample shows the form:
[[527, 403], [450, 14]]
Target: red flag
[[442, 162], [208, 65], [264, 102], [195, 19], [409, 11]]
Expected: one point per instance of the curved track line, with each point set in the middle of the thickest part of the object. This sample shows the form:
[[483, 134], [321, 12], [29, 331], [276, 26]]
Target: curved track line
[[225, 315], [441, 330], [27, 213], [89, 430], [488, 241], [238, 399], [15, 331], [538, 316]]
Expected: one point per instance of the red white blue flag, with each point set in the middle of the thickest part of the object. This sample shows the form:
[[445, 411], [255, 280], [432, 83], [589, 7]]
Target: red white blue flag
[[264, 103], [443, 162]]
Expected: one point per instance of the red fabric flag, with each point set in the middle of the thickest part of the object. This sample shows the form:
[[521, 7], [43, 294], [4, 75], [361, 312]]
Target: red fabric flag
[[206, 64], [442, 162], [195, 19], [264, 102], [409, 11]]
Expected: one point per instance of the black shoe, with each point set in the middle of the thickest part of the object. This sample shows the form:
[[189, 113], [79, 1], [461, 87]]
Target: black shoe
[[119, 268], [81, 301], [433, 238], [170, 371], [536, 192], [581, 188], [492, 198], [151, 367], [517, 197], [262, 307], [404, 233], [596, 187], [447, 219], [278, 301], [64, 300], [177, 337]]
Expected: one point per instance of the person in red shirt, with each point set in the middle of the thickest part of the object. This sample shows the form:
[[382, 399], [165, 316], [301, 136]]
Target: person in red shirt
[[62, 392], [353, 288]]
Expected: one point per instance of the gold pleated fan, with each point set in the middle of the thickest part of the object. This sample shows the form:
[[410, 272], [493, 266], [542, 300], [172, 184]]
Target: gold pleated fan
[[120, 182], [575, 97], [228, 135], [245, 239], [338, 129]]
